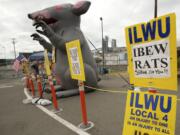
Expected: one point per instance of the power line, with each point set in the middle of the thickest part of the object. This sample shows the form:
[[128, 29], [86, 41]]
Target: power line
[[94, 46]]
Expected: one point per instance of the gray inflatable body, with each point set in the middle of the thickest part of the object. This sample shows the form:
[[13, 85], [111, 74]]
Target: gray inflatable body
[[61, 24]]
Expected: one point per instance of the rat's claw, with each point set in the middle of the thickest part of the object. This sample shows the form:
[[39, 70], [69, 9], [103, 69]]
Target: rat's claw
[[41, 32], [32, 35], [37, 26], [35, 35], [39, 22]]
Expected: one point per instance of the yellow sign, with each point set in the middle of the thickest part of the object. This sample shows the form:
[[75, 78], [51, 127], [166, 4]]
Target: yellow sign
[[75, 60], [150, 114], [46, 63], [53, 55], [25, 68], [152, 54]]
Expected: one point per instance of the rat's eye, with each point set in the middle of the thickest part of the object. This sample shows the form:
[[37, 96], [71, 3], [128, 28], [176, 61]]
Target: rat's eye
[[58, 7], [40, 17]]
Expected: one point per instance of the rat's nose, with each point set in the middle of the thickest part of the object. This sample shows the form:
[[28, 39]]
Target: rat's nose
[[30, 16]]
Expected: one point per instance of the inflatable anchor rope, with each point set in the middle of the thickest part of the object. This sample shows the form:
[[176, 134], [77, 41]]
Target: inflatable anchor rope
[[106, 90], [118, 74], [41, 101], [110, 91]]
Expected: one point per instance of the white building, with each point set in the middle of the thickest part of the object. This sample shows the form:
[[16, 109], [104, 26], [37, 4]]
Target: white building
[[114, 56]]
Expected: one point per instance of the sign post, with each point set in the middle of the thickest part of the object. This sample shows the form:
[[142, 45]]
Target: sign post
[[150, 114], [48, 72], [152, 61], [77, 72], [83, 102], [32, 85], [39, 86], [27, 82], [152, 54]]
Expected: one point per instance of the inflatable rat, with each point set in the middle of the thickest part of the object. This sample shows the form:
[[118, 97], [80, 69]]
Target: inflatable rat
[[61, 24]]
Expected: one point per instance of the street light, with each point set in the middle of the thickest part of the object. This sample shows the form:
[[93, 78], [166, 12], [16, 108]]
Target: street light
[[14, 42], [4, 52], [101, 19]]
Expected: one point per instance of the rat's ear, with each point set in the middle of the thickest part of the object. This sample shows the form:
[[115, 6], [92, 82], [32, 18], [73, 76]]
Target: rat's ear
[[81, 7]]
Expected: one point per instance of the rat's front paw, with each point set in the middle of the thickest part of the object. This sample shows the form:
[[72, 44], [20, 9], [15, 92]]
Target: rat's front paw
[[46, 30]]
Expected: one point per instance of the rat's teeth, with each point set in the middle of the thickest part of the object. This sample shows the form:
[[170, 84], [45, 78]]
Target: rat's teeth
[[33, 22]]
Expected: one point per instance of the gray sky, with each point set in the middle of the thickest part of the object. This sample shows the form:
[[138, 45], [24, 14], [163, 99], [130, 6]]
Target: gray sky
[[117, 14]]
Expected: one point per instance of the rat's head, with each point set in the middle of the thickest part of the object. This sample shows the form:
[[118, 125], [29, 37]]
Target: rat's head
[[61, 15]]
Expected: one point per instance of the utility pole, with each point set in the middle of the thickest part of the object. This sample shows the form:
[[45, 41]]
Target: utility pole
[[152, 90], [14, 45], [101, 19], [155, 8]]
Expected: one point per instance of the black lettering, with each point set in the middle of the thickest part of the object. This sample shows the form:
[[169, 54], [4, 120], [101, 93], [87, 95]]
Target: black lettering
[[149, 50], [134, 50], [141, 52], [136, 133], [146, 64], [139, 133], [160, 48], [138, 64], [164, 63], [155, 62]]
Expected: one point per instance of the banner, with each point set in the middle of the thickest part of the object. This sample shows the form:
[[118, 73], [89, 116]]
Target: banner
[[152, 53], [150, 114], [46, 63], [75, 60]]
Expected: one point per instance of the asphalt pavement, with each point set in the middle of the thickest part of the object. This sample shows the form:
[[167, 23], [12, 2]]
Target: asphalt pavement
[[17, 118], [105, 109]]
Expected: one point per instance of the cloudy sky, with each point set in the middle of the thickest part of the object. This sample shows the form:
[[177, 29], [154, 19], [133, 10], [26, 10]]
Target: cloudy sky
[[117, 14]]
